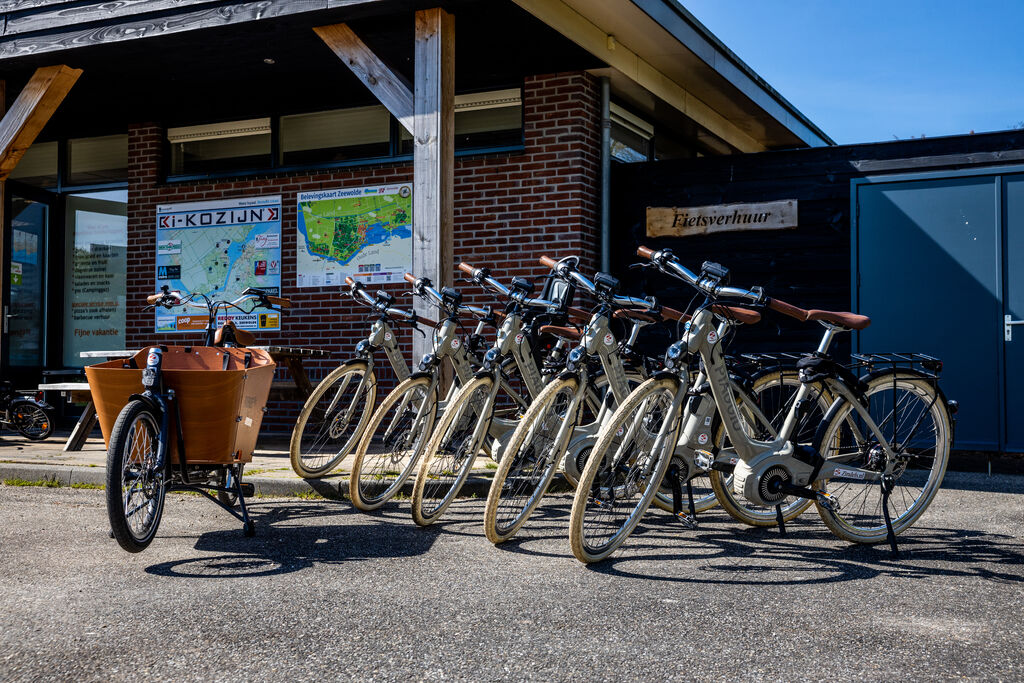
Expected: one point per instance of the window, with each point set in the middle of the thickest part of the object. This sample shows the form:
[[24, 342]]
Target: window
[[631, 136], [92, 161], [483, 120], [39, 165], [95, 261], [358, 133], [233, 146]]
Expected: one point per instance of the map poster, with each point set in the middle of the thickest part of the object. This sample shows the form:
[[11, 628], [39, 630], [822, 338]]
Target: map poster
[[363, 232], [219, 248]]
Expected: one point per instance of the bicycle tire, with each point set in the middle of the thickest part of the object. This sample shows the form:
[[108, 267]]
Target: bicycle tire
[[518, 484], [370, 484], [735, 505], [32, 421], [313, 431], [448, 459], [134, 441], [642, 475], [866, 525]]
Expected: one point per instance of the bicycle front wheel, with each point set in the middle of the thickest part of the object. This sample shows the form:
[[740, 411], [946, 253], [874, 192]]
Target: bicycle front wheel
[[136, 487], [452, 450], [530, 459], [332, 419], [392, 443], [914, 418], [625, 470]]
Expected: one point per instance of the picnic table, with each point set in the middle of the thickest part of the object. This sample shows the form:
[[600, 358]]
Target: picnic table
[[78, 392]]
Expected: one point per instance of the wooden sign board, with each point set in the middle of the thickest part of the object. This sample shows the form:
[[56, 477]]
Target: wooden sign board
[[701, 220]]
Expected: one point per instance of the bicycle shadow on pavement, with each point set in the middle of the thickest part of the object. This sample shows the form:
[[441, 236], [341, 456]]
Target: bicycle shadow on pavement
[[288, 540], [810, 554]]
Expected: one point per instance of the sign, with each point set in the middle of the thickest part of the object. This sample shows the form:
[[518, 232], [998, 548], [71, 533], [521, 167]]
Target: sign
[[362, 232], [218, 248], [701, 220]]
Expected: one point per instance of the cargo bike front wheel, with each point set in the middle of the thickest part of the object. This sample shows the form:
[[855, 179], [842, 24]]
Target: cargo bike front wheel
[[136, 479]]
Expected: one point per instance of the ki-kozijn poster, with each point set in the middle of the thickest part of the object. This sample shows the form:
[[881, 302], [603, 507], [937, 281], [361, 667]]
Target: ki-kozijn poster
[[363, 232], [219, 248]]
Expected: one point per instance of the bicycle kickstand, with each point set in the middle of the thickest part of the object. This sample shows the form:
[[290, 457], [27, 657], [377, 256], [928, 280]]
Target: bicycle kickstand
[[688, 520], [780, 520], [890, 533]]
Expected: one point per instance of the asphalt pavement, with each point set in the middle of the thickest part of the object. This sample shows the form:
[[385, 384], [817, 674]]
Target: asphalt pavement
[[328, 592]]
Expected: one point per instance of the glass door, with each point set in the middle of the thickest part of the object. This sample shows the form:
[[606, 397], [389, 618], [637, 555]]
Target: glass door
[[26, 236]]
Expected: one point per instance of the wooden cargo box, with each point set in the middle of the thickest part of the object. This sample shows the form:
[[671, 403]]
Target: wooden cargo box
[[221, 405]]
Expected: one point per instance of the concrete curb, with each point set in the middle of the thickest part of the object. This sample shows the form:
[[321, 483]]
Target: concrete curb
[[334, 488]]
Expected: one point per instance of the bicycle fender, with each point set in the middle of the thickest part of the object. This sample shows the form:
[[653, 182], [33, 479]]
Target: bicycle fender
[[422, 374], [151, 403], [567, 374], [665, 374], [31, 401]]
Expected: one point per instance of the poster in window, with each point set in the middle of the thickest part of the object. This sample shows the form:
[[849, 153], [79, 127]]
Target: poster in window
[[219, 248], [362, 232]]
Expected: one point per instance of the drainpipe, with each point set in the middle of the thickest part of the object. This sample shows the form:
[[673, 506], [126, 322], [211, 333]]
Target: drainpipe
[[606, 176]]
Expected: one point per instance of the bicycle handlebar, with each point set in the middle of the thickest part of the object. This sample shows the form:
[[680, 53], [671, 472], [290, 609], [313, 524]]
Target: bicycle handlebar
[[423, 289], [483, 277], [666, 262], [563, 270]]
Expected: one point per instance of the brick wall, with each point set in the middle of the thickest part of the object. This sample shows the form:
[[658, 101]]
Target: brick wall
[[509, 210]]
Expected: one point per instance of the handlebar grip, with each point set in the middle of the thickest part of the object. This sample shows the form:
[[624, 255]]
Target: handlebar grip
[[349, 281], [787, 309], [644, 252], [548, 261], [279, 301], [154, 298], [410, 278], [466, 268]]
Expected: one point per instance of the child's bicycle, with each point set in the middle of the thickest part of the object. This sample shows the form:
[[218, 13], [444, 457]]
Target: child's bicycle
[[193, 425]]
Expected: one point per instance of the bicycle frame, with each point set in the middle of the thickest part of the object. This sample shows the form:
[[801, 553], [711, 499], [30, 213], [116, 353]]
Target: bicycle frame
[[755, 456]]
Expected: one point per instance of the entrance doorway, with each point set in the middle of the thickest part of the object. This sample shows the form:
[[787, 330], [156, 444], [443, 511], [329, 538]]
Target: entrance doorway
[[938, 264]]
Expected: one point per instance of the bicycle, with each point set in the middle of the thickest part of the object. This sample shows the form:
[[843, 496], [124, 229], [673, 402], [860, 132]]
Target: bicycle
[[335, 416], [553, 421], [209, 398], [26, 412], [394, 438], [472, 416], [851, 453]]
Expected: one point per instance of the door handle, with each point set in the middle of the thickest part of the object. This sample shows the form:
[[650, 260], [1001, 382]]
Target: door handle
[[1008, 323]]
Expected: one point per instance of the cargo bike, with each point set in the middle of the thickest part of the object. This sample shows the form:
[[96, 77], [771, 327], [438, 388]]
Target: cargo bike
[[183, 418]]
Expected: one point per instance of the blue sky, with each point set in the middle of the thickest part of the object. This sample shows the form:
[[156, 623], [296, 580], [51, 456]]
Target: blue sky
[[869, 70]]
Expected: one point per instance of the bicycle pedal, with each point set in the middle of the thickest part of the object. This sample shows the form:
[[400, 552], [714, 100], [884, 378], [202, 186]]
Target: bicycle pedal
[[687, 521], [248, 489], [703, 459], [828, 502]]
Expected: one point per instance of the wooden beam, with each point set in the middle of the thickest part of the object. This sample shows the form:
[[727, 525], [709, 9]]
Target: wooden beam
[[31, 111], [390, 88], [579, 29], [135, 27], [433, 153], [47, 19]]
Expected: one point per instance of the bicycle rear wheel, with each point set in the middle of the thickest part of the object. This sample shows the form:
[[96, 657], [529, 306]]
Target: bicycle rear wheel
[[32, 421], [529, 462], [392, 443], [625, 470], [451, 451], [332, 419], [135, 488], [914, 418]]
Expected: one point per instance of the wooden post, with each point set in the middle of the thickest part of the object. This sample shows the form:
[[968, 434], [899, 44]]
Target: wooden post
[[433, 155]]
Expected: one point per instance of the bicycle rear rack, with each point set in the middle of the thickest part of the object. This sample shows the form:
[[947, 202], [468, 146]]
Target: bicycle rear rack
[[870, 362]]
